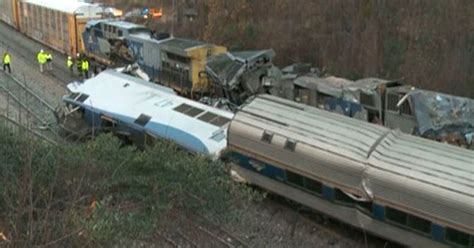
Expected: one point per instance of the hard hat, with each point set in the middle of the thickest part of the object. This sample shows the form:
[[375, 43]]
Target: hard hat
[[41, 50], [78, 54], [68, 57]]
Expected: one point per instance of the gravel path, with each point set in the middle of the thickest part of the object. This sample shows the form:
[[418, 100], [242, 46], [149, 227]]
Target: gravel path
[[50, 85]]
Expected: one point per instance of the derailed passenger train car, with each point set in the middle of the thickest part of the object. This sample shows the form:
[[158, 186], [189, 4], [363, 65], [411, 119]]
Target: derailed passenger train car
[[141, 112], [406, 189]]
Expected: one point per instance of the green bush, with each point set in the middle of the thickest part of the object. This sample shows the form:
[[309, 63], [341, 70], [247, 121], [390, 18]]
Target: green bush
[[102, 192]]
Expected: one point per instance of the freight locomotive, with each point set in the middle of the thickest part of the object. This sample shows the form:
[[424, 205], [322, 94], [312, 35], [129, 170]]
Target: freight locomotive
[[404, 188]]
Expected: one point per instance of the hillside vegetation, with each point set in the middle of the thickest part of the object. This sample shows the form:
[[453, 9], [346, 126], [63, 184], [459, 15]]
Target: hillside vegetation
[[430, 43], [101, 193]]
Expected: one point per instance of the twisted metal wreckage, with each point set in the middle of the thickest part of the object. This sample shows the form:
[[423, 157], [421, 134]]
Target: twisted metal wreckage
[[437, 116]]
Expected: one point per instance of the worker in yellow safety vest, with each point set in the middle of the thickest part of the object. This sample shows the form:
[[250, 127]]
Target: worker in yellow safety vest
[[70, 65], [6, 62], [49, 61], [41, 59], [79, 64], [85, 68]]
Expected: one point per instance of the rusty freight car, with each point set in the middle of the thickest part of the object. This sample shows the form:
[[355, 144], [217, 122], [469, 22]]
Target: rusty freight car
[[57, 24], [9, 12]]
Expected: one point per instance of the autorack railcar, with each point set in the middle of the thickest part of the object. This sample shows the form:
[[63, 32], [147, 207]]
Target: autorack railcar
[[57, 24], [9, 12], [411, 190]]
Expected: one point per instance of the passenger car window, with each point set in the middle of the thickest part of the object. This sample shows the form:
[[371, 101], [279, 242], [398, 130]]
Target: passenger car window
[[290, 144], [457, 237], [267, 137]]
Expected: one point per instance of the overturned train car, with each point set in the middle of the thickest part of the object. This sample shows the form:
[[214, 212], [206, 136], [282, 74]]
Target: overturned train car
[[140, 112], [411, 190]]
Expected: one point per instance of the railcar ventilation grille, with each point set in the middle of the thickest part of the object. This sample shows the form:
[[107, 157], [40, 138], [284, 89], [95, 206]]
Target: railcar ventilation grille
[[220, 121], [214, 119], [188, 110], [207, 117], [142, 120]]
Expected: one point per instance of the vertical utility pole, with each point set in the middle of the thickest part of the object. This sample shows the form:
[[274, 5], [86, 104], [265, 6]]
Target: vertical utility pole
[[173, 17]]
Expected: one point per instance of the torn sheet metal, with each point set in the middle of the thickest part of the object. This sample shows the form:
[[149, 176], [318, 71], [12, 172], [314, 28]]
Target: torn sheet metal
[[435, 111], [350, 109], [240, 75], [444, 117], [227, 69]]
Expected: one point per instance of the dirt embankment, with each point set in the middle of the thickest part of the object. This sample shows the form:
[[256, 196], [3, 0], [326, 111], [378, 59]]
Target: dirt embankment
[[430, 43]]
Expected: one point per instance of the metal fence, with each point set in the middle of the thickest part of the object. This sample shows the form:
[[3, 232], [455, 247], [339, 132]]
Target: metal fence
[[23, 109]]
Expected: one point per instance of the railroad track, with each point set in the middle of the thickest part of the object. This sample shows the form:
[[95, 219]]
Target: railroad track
[[194, 230], [334, 228], [23, 107], [26, 49]]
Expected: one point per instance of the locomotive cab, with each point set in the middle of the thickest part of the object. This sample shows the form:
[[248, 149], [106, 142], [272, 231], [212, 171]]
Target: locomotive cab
[[105, 41]]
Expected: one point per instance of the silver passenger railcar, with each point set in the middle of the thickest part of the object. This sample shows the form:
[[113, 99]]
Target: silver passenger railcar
[[407, 189]]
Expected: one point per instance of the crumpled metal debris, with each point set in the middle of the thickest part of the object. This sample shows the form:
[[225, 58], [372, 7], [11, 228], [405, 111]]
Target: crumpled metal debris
[[240, 74], [435, 111], [444, 117]]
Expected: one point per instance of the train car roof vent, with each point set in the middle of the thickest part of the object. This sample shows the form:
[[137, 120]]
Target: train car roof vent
[[267, 137], [290, 144], [142, 120]]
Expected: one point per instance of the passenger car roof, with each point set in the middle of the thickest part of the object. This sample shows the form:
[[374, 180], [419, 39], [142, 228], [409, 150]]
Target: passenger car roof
[[327, 131]]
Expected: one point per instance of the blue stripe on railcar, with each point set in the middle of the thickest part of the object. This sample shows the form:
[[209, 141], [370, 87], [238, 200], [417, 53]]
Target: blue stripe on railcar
[[258, 166], [182, 138], [328, 193], [437, 232], [378, 211]]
